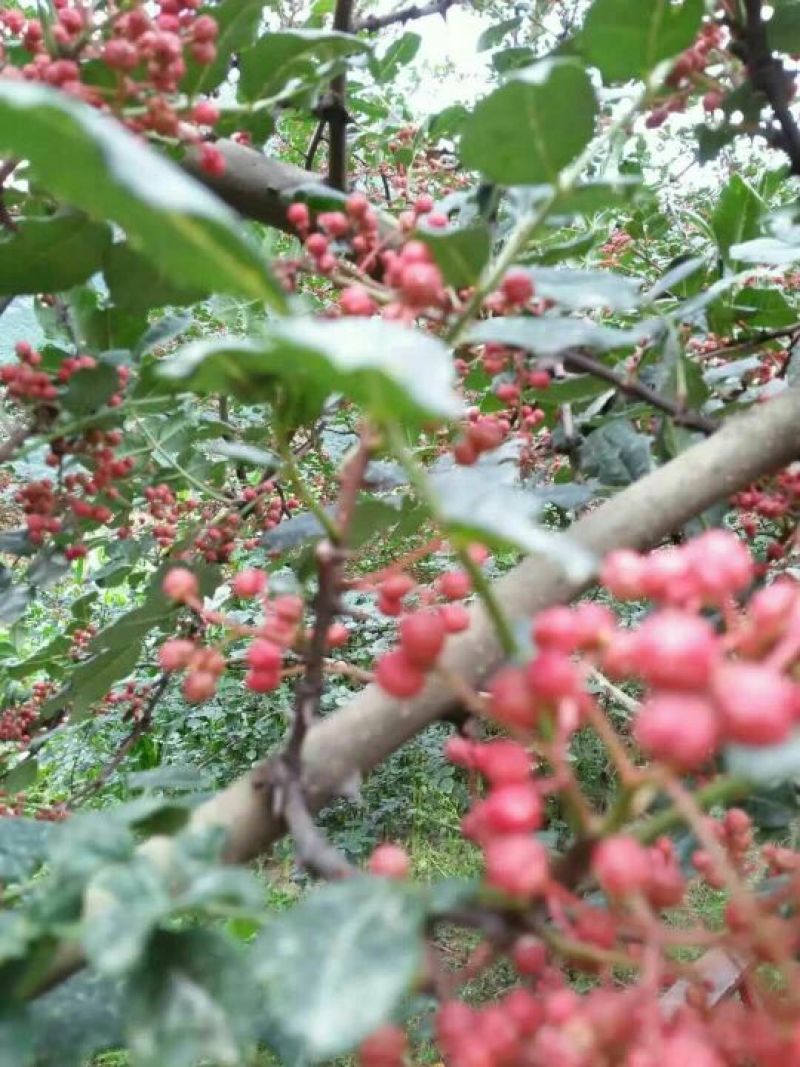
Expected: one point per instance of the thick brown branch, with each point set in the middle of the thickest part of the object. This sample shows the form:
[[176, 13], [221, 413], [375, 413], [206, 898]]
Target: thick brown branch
[[373, 23], [372, 726], [337, 116]]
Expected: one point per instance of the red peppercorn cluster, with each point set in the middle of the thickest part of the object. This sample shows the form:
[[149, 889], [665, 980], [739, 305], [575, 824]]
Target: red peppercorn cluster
[[147, 49], [689, 73], [17, 722]]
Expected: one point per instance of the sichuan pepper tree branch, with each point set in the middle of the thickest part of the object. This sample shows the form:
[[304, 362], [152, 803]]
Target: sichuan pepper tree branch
[[769, 76], [371, 726], [373, 23]]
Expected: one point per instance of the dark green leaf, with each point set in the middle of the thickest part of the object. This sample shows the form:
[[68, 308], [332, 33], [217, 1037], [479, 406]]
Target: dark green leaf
[[396, 373], [338, 964], [90, 389], [134, 901], [23, 846], [736, 215], [616, 454], [76, 1020], [50, 255], [191, 1001], [783, 28], [494, 35], [137, 284], [550, 336], [461, 255], [626, 39], [22, 776], [291, 59], [556, 249], [238, 22], [533, 125], [114, 176]]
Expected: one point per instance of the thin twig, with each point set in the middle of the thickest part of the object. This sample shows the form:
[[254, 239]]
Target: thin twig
[[693, 420], [314, 144], [373, 23]]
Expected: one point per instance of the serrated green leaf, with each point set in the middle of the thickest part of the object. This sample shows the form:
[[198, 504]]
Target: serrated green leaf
[[626, 39], [114, 176], [533, 125], [394, 372], [48, 255], [337, 965]]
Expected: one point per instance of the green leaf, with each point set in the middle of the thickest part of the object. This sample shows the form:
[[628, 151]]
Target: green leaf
[[533, 125], [494, 35], [399, 54], [549, 336], [765, 765], [78, 1019], [587, 289], [394, 372], [192, 1000], [90, 389], [626, 39], [461, 255], [768, 250], [112, 175], [337, 965], [50, 255], [736, 215], [16, 1037], [293, 59], [238, 22], [137, 284], [240, 452], [783, 29], [133, 900], [616, 454], [23, 846], [473, 502]]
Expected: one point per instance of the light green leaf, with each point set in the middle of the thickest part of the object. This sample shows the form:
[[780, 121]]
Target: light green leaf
[[394, 372], [626, 39], [548, 336], [23, 846], [173, 219], [767, 250], [587, 289], [533, 125], [474, 503], [736, 215], [238, 22], [494, 35], [290, 60], [132, 899], [337, 965], [48, 255], [765, 765], [399, 54]]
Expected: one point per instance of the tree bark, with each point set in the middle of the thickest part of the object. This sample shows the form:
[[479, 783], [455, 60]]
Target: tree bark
[[372, 725]]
